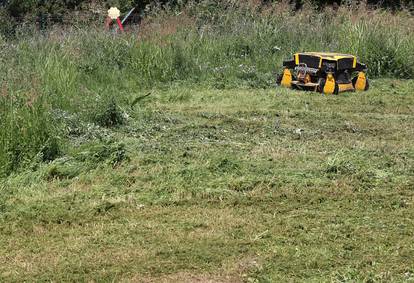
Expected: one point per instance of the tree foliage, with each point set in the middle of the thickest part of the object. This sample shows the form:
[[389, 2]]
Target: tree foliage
[[14, 12]]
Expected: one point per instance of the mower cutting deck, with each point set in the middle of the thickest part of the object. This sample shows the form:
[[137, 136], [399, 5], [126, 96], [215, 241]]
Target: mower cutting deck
[[328, 73]]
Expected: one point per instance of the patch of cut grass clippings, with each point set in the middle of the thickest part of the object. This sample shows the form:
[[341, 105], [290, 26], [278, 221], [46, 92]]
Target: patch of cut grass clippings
[[222, 187]]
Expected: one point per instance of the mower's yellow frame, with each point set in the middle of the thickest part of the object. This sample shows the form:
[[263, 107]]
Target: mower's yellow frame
[[327, 72]]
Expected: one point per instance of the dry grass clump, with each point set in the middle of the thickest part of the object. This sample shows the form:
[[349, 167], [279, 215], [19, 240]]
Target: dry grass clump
[[156, 28]]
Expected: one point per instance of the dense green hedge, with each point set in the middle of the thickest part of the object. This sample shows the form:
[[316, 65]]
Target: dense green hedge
[[19, 9]]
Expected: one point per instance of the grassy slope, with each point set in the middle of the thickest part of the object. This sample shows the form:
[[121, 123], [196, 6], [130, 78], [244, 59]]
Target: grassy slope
[[220, 185], [53, 81]]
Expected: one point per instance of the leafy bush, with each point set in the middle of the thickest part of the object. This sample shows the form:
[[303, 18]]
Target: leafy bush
[[46, 13], [108, 114]]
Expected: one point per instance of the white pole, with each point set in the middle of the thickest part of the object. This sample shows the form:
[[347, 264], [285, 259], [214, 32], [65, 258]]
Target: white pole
[[127, 16]]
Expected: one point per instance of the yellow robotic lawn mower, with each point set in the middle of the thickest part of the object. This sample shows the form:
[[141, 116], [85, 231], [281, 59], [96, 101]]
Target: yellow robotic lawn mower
[[328, 73]]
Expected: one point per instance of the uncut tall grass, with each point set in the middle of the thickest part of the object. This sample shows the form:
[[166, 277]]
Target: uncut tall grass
[[91, 73]]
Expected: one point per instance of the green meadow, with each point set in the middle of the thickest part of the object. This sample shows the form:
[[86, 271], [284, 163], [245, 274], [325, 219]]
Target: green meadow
[[167, 154]]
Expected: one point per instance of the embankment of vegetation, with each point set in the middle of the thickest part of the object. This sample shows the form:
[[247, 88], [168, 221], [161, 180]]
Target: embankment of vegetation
[[57, 85]]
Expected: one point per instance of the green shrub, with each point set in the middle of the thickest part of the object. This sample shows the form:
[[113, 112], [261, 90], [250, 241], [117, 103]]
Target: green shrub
[[108, 114]]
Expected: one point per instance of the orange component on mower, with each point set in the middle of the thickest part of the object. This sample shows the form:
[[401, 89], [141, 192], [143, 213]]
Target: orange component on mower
[[361, 82], [286, 78]]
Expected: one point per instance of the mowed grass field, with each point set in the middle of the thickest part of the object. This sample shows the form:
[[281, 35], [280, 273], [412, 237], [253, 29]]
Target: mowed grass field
[[226, 186]]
